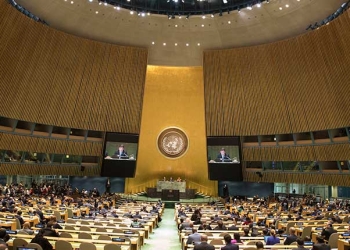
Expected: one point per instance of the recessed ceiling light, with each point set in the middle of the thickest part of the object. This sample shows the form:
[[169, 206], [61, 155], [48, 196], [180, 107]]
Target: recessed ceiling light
[[175, 25], [212, 15], [71, 2], [164, 44], [175, 44], [203, 17], [229, 22], [115, 7], [96, 12], [91, 1], [143, 14], [258, 5], [131, 12], [280, 8], [152, 43], [100, 3], [287, 5], [202, 25], [118, 8], [249, 8], [105, 4], [187, 44], [180, 17], [198, 44], [148, 14]]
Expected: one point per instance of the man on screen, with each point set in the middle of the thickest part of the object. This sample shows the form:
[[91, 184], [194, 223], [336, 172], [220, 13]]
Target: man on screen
[[222, 156], [121, 153]]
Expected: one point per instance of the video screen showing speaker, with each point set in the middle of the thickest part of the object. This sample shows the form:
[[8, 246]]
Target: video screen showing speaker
[[119, 155], [224, 158]]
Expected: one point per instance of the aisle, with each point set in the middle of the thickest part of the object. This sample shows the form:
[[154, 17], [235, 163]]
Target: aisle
[[165, 237]]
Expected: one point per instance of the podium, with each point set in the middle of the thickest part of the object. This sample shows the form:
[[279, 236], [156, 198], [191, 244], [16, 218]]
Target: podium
[[170, 195]]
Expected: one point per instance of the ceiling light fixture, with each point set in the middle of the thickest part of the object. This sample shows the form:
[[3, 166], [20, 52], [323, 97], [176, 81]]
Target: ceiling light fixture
[[203, 17], [258, 5], [131, 12], [212, 15], [249, 8], [287, 5]]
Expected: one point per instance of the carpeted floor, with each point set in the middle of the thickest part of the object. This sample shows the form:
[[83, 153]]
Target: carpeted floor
[[165, 237]]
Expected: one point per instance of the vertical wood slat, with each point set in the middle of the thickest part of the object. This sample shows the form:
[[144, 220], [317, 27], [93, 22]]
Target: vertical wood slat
[[54, 78], [295, 85]]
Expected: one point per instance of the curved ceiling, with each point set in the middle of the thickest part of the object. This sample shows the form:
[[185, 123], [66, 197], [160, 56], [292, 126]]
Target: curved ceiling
[[181, 41]]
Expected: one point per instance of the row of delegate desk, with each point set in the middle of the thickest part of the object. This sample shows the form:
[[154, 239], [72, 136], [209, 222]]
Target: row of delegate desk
[[109, 224]]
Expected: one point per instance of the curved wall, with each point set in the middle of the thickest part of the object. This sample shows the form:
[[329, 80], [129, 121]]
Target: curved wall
[[296, 85], [54, 78]]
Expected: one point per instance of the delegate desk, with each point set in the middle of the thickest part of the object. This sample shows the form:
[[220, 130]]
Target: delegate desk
[[99, 244], [135, 238], [343, 244]]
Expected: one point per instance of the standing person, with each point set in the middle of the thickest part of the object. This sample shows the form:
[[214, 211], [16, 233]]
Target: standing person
[[108, 186], [225, 191], [121, 152]]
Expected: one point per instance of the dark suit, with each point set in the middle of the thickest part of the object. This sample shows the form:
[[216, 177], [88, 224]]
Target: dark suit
[[321, 246], [233, 228], [327, 232], [225, 156], [50, 232], [290, 239], [230, 246], [204, 246], [194, 238], [121, 154]]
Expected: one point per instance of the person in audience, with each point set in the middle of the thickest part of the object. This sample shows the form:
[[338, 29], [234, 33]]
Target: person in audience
[[246, 232], [194, 238], [236, 239], [55, 224], [48, 231], [229, 245], [19, 217], [220, 226], [41, 240], [272, 239], [204, 244], [178, 179], [259, 245], [26, 229], [233, 227], [137, 215], [205, 226], [4, 237], [326, 232], [292, 237], [320, 244], [300, 244], [185, 224]]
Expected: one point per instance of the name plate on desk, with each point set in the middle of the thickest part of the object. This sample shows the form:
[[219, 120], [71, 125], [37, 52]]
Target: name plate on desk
[[173, 185]]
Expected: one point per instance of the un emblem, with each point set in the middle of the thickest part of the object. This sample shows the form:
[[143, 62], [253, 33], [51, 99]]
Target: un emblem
[[172, 142]]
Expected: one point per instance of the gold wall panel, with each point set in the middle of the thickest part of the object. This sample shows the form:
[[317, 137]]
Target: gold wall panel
[[303, 178], [334, 152], [54, 78], [46, 145], [37, 169], [295, 85], [173, 98]]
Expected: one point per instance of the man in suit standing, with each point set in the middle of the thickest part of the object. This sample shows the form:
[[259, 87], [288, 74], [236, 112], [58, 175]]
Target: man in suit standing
[[320, 245], [326, 233], [121, 153], [194, 238], [291, 237], [300, 243], [229, 245], [222, 156], [108, 186], [204, 244]]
